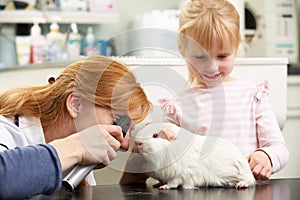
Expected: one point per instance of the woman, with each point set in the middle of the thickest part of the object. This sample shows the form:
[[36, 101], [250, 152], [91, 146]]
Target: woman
[[45, 130]]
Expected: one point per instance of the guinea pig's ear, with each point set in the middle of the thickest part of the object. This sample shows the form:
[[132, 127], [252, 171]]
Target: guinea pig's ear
[[166, 135]]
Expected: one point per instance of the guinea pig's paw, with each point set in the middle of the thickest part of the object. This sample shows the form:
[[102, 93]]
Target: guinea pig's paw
[[164, 187], [157, 185], [241, 185]]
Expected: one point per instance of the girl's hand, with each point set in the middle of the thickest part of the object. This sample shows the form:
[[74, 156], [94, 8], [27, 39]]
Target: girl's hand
[[260, 165]]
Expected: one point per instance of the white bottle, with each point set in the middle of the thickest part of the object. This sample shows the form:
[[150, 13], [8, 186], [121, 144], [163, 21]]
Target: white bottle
[[55, 43], [90, 48], [74, 43], [38, 44]]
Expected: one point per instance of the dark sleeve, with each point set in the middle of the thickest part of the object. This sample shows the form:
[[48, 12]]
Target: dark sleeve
[[28, 171]]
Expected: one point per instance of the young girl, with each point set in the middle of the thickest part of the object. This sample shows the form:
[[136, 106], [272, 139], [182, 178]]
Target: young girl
[[46, 130], [216, 104]]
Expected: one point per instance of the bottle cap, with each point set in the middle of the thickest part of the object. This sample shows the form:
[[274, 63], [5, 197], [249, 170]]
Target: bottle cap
[[90, 29], [74, 28], [35, 29], [54, 27]]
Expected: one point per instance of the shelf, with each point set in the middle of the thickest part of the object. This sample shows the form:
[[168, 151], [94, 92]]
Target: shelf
[[61, 17]]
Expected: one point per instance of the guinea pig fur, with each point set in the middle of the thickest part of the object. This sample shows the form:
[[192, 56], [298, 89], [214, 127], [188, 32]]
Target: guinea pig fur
[[179, 158]]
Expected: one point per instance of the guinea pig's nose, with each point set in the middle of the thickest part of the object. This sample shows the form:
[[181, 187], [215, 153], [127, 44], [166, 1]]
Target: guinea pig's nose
[[138, 142]]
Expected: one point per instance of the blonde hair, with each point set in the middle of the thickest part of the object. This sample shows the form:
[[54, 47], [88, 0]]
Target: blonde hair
[[100, 80], [210, 22]]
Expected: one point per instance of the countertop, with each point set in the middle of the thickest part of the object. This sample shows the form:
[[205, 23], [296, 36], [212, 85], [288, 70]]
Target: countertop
[[273, 189], [293, 69]]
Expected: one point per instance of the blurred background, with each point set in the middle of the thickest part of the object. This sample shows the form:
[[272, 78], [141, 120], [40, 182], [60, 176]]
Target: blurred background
[[269, 27]]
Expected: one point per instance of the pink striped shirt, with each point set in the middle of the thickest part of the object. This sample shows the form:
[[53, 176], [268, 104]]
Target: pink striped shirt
[[237, 111]]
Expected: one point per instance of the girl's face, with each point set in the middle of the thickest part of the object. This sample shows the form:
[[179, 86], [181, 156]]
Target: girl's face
[[209, 68]]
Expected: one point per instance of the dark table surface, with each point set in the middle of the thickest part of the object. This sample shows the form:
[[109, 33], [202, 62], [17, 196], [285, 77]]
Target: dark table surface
[[294, 69], [278, 189]]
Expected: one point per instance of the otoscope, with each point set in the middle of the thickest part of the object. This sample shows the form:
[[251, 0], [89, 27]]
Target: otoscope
[[79, 172]]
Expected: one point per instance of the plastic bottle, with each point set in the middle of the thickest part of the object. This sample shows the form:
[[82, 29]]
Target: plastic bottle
[[38, 44], [73, 43], [90, 48], [55, 43]]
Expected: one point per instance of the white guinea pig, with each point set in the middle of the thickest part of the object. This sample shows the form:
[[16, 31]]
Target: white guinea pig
[[179, 158]]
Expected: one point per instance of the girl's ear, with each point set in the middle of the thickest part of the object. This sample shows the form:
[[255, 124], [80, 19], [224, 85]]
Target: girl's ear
[[73, 104]]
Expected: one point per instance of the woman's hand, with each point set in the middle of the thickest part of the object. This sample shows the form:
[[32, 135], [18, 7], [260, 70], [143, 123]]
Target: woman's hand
[[260, 165], [125, 142], [96, 144], [100, 144]]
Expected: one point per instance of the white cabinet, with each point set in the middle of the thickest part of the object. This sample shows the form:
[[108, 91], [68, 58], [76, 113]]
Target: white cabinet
[[291, 130]]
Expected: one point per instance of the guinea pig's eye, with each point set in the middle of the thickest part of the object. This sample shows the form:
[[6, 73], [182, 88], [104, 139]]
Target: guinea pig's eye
[[155, 135]]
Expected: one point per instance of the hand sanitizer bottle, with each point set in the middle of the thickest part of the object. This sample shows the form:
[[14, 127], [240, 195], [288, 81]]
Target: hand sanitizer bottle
[[90, 48], [55, 43], [38, 44], [74, 43]]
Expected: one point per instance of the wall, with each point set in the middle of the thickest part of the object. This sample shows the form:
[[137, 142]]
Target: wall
[[128, 9]]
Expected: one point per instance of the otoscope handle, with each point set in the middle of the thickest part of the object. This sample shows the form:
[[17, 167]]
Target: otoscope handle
[[76, 175]]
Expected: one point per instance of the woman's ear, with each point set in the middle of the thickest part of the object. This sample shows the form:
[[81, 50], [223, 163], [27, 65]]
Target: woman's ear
[[73, 104]]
